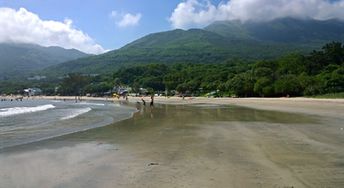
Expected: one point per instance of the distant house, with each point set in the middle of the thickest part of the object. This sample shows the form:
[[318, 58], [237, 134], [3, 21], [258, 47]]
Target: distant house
[[121, 90], [32, 91], [37, 77], [90, 75], [143, 91]]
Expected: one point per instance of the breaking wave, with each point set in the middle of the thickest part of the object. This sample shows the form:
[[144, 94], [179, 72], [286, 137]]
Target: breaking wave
[[76, 113], [4, 112], [90, 103]]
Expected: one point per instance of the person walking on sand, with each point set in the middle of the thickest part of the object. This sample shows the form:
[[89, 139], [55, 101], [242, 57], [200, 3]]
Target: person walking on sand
[[152, 101], [143, 101]]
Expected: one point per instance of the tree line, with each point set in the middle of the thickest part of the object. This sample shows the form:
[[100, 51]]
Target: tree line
[[317, 73]]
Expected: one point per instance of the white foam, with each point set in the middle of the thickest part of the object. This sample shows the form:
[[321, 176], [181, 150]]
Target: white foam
[[76, 113], [91, 103], [55, 101], [4, 112]]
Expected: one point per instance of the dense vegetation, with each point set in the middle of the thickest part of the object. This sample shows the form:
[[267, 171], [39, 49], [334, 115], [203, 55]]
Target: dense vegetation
[[216, 43], [330, 96], [319, 72]]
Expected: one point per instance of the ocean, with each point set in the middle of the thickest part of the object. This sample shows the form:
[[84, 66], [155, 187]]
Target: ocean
[[27, 121]]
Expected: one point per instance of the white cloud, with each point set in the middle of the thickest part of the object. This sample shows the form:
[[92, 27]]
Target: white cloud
[[126, 19], [113, 14], [191, 13], [22, 26]]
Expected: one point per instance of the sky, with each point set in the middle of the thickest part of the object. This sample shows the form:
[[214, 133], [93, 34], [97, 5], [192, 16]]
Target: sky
[[98, 26]]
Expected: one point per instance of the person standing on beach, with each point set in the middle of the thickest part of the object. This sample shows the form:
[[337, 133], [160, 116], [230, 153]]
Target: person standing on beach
[[152, 101], [143, 101]]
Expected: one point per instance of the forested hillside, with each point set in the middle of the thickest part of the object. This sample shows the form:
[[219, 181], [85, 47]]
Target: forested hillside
[[319, 72], [21, 59], [292, 75], [217, 43]]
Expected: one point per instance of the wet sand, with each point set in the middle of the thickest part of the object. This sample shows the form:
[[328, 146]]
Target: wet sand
[[324, 107], [193, 144]]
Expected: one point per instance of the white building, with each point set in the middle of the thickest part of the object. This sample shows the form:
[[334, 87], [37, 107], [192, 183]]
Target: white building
[[32, 91]]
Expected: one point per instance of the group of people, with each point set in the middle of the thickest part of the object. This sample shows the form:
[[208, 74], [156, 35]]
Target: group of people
[[151, 102], [11, 99]]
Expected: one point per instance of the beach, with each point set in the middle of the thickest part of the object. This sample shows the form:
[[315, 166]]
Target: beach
[[192, 142]]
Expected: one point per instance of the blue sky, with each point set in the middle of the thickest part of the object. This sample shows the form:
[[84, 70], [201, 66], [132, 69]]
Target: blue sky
[[94, 26]]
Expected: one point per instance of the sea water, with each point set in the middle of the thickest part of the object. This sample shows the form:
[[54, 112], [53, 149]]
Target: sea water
[[30, 120]]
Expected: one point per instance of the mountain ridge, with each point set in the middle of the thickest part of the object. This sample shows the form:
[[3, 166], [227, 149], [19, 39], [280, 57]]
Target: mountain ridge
[[218, 42], [283, 29], [20, 59]]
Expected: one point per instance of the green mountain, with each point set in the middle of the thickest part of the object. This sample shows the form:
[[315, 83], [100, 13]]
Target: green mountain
[[21, 59], [286, 30], [217, 42]]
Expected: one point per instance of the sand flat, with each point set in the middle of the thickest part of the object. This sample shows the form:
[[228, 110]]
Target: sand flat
[[193, 145]]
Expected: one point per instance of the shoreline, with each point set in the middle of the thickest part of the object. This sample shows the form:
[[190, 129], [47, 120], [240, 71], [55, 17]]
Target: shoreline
[[310, 106], [164, 100]]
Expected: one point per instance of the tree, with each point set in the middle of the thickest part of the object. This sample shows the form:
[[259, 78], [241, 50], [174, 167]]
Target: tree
[[73, 84], [288, 85], [334, 52], [291, 64], [264, 87], [241, 85], [309, 84], [182, 88], [335, 83]]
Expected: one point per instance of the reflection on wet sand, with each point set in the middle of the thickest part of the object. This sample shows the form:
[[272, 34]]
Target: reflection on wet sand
[[189, 146]]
